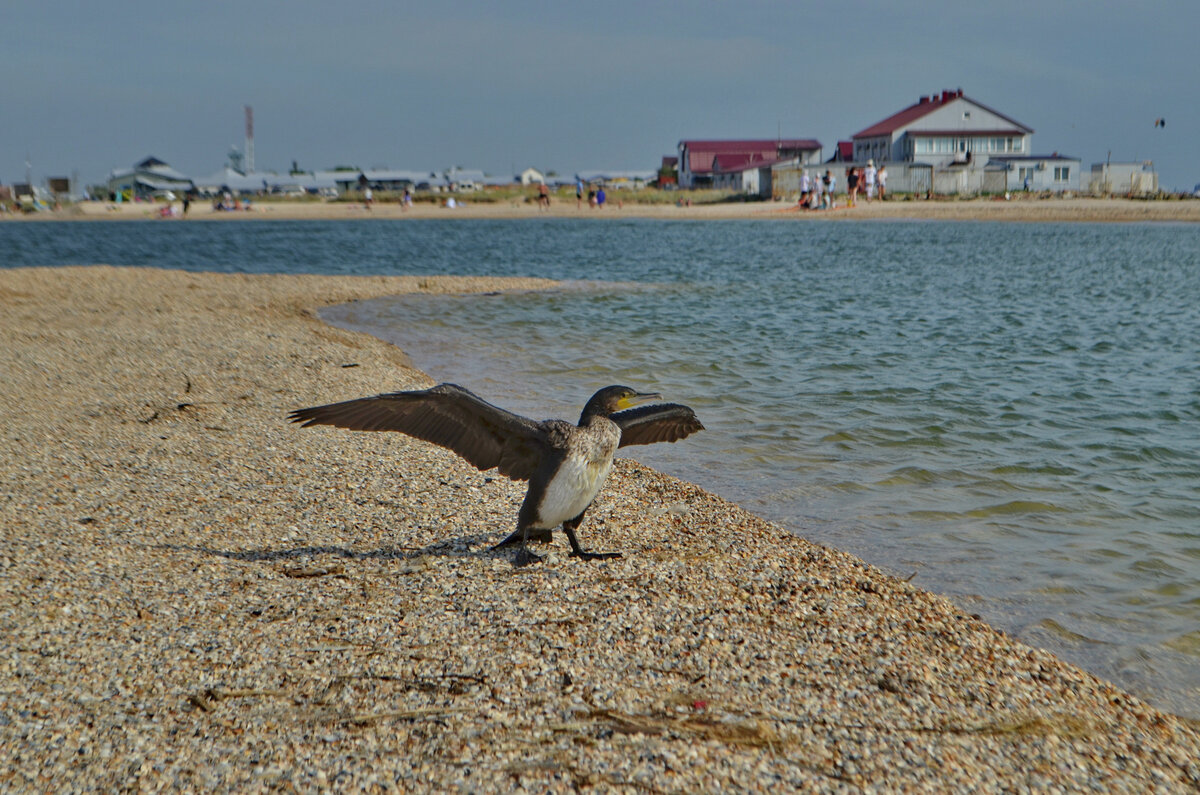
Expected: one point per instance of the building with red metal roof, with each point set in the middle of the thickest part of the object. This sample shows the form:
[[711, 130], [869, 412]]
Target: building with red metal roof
[[701, 161], [943, 130]]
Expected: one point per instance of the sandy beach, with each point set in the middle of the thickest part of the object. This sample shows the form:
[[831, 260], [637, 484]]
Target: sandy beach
[[1020, 208], [196, 595]]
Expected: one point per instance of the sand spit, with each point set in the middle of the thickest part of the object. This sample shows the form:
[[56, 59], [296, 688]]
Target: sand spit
[[195, 595], [1021, 208]]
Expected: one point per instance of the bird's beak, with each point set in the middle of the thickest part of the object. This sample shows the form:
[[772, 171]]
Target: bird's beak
[[639, 398]]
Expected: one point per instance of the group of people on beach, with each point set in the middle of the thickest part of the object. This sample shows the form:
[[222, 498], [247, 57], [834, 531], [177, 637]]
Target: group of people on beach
[[817, 191], [596, 197]]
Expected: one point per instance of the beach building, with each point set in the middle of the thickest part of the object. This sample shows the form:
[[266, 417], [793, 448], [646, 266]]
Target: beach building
[[615, 178], [531, 176], [949, 143], [843, 152], [385, 179], [1053, 172], [1123, 179], [697, 157], [230, 180], [146, 179], [749, 175], [465, 179], [668, 172], [947, 130], [396, 180]]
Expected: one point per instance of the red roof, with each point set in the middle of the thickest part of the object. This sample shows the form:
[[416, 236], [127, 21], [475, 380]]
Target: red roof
[[995, 131], [722, 164], [926, 105], [700, 154]]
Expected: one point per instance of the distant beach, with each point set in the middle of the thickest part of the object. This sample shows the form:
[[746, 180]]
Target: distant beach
[[1020, 208]]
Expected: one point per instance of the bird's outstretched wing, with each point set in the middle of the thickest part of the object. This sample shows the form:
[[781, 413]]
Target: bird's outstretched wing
[[661, 422], [448, 415]]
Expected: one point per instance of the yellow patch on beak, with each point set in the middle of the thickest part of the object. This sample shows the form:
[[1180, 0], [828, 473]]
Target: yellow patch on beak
[[637, 398]]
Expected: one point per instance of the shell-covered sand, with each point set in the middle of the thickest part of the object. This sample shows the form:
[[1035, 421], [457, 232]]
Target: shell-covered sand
[[196, 595]]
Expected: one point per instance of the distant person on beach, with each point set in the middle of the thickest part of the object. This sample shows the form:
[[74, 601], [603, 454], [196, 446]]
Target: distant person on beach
[[600, 197], [368, 197], [187, 202], [544, 196], [869, 177], [827, 184], [852, 185], [578, 193], [406, 200], [805, 188], [882, 178], [591, 198]]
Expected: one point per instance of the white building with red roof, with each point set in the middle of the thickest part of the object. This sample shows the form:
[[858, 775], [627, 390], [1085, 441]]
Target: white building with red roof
[[941, 131], [949, 143], [702, 162]]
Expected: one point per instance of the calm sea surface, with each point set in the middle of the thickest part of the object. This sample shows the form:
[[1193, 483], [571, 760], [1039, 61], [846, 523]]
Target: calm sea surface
[[1011, 411]]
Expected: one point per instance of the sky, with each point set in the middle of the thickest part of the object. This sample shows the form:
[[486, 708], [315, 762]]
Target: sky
[[566, 87]]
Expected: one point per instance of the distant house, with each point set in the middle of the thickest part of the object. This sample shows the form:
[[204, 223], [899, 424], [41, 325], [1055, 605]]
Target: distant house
[[842, 153], [146, 179], [229, 180], [531, 176], [696, 158], [380, 179], [1054, 172], [465, 179], [614, 178], [951, 129], [384, 179], [668, 172], [1123, 179], [950, 143], [750, 174], [232, 181]]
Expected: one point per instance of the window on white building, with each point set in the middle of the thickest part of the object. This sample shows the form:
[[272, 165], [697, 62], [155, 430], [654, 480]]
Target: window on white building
[[1062, 173]]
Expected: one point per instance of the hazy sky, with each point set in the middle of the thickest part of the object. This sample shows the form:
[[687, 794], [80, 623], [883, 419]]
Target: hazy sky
[[566, 86]]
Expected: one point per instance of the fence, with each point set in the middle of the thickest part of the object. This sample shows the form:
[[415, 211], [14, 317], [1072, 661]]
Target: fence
[[916, 178]]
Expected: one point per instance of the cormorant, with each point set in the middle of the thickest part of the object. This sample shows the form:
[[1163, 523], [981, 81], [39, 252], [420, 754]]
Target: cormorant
[[566, 465]]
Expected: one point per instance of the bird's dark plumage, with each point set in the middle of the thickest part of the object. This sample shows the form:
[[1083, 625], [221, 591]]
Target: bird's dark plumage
[[565, 464]]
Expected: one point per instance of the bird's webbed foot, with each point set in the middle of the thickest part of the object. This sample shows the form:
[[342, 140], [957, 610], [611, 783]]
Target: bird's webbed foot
[[519, 536], [579, 552], [525, 557]]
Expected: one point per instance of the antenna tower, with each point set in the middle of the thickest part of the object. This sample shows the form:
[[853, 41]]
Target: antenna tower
[[249, 139]]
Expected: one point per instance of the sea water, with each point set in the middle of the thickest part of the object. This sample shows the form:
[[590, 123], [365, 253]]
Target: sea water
[[1010, 413]]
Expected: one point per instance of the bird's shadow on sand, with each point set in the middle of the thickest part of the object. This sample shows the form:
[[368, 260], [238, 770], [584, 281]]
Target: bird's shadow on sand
[[473, 546]]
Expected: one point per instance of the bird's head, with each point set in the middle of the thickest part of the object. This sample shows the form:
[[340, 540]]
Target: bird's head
[[612, 399]]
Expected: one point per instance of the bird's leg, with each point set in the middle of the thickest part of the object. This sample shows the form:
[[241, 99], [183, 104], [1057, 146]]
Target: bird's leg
[[524, 556], [517, 536], [578, 551]]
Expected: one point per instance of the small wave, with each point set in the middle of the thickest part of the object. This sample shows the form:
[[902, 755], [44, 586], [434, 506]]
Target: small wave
[[1034, 469], [1059, 631], [1015, 507]]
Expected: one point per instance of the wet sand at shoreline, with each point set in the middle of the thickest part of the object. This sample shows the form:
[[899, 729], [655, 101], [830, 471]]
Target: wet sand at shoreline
[[197, 595]]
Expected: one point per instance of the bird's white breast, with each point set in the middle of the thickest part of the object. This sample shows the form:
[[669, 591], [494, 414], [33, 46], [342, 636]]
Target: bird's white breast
[[577, 482]]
